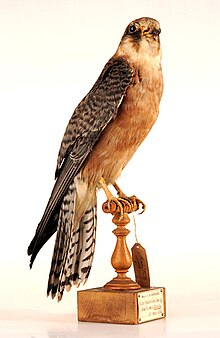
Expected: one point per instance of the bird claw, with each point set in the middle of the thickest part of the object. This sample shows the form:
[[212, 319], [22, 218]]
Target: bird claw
[[112, 204], [122, 203], [134, 203], [118, 204]]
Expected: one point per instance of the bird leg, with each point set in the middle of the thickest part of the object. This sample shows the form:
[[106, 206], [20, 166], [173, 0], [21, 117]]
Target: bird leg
[[132, 200], [119, 202]]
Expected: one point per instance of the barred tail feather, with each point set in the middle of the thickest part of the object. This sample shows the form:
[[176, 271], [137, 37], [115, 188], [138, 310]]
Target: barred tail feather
[[88, 225], [74, 246], [62, 240]]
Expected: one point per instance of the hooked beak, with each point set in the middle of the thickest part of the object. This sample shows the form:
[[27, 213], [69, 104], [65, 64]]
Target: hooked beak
[[156, 32]]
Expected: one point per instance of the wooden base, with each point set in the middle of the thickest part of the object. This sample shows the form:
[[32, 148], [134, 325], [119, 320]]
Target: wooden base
[[102, 305]]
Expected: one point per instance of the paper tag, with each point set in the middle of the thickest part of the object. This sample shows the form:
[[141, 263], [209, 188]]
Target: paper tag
[[140, 263]]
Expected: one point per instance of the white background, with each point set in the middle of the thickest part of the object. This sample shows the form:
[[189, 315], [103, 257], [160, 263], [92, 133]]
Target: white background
[[51, 53]]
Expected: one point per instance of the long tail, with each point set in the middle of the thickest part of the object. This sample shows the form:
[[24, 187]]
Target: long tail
[[74, 246]]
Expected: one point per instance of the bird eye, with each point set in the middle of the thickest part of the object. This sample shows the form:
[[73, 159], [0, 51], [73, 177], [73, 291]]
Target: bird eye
[[132, 29]]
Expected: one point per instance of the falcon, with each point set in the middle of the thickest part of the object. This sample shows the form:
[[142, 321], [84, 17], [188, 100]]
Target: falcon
[[102, 135]]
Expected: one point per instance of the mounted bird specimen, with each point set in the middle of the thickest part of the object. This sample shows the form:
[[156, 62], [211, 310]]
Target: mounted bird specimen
[[102, 135]]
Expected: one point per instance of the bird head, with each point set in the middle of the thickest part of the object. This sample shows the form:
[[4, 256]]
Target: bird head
[[143, 29], [142, 35]]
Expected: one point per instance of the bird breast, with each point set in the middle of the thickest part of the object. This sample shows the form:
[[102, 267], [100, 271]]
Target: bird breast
[[121, 138]]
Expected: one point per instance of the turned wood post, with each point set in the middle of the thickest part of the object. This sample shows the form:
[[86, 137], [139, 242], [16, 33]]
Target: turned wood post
[[121, 258]]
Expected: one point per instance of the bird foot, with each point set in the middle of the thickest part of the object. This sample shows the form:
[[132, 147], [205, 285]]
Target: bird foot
[[134, 202], [115, 204], [122, 203]]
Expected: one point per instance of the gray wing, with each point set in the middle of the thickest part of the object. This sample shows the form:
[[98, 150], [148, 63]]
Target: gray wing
[[88, 121], [98, 107]]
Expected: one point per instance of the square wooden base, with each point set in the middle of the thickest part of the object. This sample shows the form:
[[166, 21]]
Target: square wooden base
[[101, 305]]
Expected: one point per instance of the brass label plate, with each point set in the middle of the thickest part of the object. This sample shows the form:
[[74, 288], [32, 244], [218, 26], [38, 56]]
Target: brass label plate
[[151, 305]]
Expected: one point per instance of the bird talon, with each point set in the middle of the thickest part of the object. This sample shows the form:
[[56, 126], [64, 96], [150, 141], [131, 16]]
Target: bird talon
[[143, 210], [133, 203], [126, 204], [113, 205], [119, 205], [137, 202]]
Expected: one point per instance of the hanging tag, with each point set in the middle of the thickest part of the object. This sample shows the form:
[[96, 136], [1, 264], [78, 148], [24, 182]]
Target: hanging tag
[[140, 263]]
